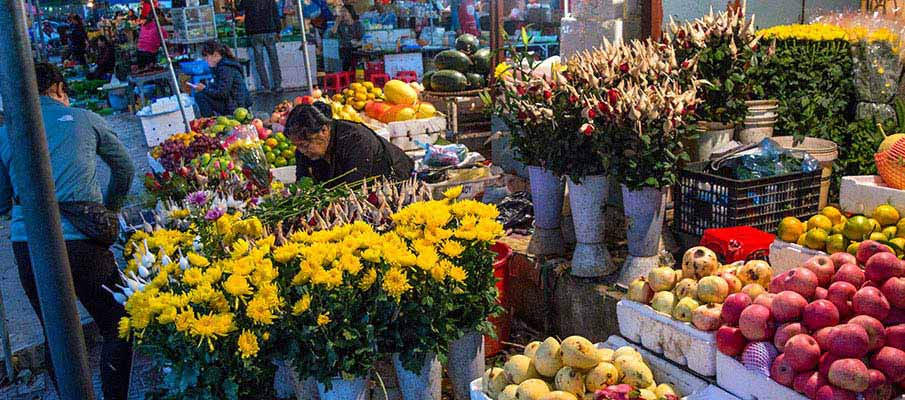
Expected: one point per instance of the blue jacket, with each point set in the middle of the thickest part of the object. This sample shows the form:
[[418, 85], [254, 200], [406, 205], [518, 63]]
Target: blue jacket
[[228, 87], [75, 137]]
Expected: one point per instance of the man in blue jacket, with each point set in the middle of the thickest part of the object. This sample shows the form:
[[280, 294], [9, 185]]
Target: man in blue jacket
[[75, 138], [262, 24]]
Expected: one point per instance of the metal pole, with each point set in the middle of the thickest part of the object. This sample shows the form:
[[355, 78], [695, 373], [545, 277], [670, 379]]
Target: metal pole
[[42, 53], [166, 52], [305, 48], [42, 215]]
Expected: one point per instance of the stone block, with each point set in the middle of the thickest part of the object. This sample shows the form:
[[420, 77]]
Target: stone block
[[584, 307]]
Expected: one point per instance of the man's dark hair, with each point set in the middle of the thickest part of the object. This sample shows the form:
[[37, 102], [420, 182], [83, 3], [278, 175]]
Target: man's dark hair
[[305, 120], [47, 75]]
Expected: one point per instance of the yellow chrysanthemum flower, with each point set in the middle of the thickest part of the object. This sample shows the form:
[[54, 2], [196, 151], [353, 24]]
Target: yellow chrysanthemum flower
[[368, 279], [452, 248], [248, 344], [239, 248], [213, 274], [453, 192], [323, 319], [192, 277], [260, 311], [457, 274], [302, 305], [212, 326], [197, 259], [428, 259], [123, 328], [237, 285], [185, 320], [396, 283], [167, 316], [502, 71]]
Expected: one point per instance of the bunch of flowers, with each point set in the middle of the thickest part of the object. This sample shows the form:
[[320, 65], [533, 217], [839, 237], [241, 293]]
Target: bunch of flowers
[[643, 96], [818, 32], [204, 313], [723, 48]]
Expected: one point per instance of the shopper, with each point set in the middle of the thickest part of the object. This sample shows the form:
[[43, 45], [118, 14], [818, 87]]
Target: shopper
[[148, 39], [262, 23], [349, 32], [75, 138], [78, 40], [228, 90], [336, 151], [468, 21], [106, 59]]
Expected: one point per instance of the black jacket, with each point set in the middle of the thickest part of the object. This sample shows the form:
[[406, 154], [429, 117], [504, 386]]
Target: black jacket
[[228, 86], [356, 148], [261, 16]]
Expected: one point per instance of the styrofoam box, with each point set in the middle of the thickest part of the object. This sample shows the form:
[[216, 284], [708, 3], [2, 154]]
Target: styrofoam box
[[692, 387], [675, 340], [159, 127], [284, 174], [785, 256], [417, 127], [745, 384], [862, 194]]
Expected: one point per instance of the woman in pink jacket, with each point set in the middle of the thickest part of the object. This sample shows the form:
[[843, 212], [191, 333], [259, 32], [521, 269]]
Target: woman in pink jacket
[[148, 39]]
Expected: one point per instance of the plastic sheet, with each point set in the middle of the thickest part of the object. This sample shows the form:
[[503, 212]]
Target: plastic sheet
[[516, 211], [876, 71], [769, 159]]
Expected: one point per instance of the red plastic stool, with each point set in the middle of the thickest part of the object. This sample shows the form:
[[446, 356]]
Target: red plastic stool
[[407, 76], [347, 78], [334, 82], [373, 67], [379, 79]]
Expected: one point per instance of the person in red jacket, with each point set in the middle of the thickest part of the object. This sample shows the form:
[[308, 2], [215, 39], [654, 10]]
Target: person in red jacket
[[468, 23]]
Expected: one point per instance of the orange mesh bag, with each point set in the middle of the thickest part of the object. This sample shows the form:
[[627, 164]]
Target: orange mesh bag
[[891, 165]]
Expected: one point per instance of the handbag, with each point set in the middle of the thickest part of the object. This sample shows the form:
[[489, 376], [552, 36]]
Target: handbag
[[93, 220]]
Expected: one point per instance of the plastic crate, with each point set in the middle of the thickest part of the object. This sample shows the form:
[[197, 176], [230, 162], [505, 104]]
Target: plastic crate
[[198, 67], [705, 200]]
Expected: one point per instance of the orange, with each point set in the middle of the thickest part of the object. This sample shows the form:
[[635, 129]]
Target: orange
[[790, 228]]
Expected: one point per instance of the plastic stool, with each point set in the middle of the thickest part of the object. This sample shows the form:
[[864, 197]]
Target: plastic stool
[[336, 81], [372, 68], [407, 76], [379, 79]]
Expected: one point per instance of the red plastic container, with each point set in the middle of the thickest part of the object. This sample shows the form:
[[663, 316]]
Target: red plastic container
[[738, 243], [503, 322]]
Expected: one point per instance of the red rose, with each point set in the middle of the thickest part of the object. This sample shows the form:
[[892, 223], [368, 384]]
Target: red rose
[[612, 96]]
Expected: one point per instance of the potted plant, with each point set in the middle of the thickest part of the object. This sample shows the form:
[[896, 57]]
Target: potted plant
[[529, 115], [722, 48], [644, 98]]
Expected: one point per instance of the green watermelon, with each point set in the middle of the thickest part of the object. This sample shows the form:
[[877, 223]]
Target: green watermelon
[[454, 60], [475, 81], [448, 80], [467, 43], [482, 60], [426, 80]]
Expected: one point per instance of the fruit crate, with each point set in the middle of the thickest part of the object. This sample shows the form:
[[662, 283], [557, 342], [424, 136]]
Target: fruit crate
[[677, 341], [690, 386], [705, 200]]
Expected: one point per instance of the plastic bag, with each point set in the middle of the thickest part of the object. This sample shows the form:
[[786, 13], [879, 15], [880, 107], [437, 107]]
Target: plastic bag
[[769, 159], [874, 111], [876, 68], [444, 155], [516, 211]]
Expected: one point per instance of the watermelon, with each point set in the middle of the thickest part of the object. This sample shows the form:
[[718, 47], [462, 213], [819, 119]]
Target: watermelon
[[454, 60], [426, 80], [482, 60], [475, 81], [467, 43], [448, 80]]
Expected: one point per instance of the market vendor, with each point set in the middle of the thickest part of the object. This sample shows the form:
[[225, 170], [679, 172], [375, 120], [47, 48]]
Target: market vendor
[[344, 151], [227, 91]]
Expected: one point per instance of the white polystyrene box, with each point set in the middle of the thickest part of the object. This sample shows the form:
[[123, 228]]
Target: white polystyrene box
[[677, 341], [862, 194], [785, 256], [745, 384]]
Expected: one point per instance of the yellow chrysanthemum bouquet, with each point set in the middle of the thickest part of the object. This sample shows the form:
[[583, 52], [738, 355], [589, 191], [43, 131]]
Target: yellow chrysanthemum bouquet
[[204, 319]]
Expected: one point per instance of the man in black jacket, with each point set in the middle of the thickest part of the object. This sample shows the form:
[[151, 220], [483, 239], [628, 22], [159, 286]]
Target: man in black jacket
[[262, 24]]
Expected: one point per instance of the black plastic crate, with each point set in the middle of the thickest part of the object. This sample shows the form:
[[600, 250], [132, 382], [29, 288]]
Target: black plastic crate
[[704, 200]]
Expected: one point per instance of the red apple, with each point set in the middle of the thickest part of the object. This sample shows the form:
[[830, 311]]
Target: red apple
[[733, 307], [735, 284], [765, 300], [876, 333], [801, 381], [813, 384], [878, 388], [830, 392], [778, 282], [820, 293], [849, 341], [895, 336], [786, 332], [868, 248], [822, 267], [894, 291], [843, 258], [840, 294], [882, 266], [782, 371], [850, 273], [849, 374], [891, 362], [870, 301], [801, 281], [730, 340], [896, 316], [788, 305], [803, 352], [823, 338], [820, 314], [756, 323], [826, 360]]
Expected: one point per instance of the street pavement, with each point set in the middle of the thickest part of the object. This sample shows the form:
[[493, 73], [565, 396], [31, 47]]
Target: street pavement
[[26, 336]]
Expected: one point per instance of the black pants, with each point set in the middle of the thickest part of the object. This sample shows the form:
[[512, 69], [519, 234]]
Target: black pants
[[209, 107], [146, 59], [92, 266], [348, 58]]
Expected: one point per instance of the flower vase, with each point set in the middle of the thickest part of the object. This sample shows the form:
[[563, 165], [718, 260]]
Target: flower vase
[[466, 363], [421, 385], [644, 214], [344, 389], [711, 136], [547, 199], [587, 200]]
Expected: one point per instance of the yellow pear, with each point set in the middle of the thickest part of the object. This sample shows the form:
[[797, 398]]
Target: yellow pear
[[606, 355], [601, 376], [519, 368], [531, 348], [559, 395], [509, 393], [569, 380], [494, 381], [548, 357], [579, 352], [532, 389], [637, 374], [664, 389]]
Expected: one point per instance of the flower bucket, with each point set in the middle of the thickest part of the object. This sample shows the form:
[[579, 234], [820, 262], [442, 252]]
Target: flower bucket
[[645, 210], [466, 363], [503, 322], [547, 199], [355, 389], [422, 385], [591, 258], [711, 136]]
